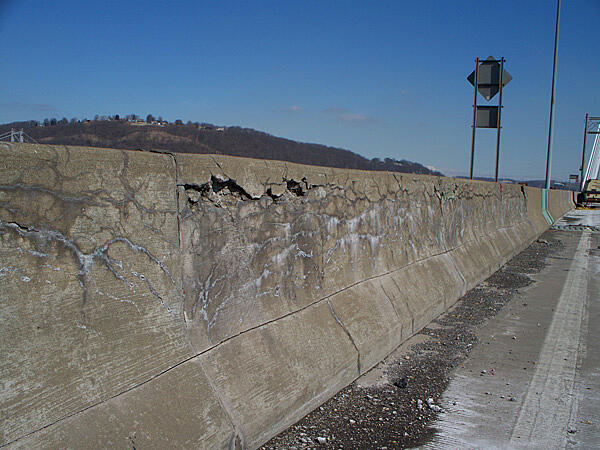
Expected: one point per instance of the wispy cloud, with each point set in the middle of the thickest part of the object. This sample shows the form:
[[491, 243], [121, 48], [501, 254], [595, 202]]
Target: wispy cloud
[[33, 107], [336, 111], [292, 109], [352, 117], [345, 115]]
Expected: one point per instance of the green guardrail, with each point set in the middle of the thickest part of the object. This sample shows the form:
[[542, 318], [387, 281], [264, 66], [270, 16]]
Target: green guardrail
[[545, 210]]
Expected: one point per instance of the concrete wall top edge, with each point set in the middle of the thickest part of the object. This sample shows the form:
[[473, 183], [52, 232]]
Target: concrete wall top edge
[[211, 163]]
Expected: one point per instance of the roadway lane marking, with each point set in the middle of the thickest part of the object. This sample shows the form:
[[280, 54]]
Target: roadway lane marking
[[546, 409]]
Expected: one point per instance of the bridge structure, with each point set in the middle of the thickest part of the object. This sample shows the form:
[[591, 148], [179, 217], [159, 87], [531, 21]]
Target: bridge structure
[[592, 127], [13, 136]]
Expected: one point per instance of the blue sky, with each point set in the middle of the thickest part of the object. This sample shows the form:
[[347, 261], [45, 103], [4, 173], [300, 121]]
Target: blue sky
[[383, 79]]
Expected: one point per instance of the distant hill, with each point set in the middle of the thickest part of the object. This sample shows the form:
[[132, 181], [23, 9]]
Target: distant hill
[[203, 138]]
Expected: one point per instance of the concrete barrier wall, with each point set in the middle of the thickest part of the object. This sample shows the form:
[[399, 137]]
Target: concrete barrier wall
[[559, 202], [534, 209], [176, 300]]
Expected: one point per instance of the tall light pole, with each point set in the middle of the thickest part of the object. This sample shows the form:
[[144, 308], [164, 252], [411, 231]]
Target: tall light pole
[[551, 127]]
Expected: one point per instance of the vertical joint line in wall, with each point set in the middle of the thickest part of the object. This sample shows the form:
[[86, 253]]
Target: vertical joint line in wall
[[390, 300], [464, 289], [337, 319], [225, 407], [177, 197], [410, 310], [179, 240]]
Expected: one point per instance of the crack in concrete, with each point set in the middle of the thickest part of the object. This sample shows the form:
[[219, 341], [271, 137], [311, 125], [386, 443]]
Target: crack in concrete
[[227, 409], [197, 355], [391, 302], [87, 199], [228, 186], [341, 324], [462, 277], [86, 260]]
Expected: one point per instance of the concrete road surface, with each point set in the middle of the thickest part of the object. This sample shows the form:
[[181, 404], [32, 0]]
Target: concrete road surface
[[534, 379], [586, 218]]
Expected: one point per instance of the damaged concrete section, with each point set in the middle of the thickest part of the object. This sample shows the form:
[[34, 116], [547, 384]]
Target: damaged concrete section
[[287, 244], [226, 192], [211, 301], [384, 253], [217, 191], [89, 280]]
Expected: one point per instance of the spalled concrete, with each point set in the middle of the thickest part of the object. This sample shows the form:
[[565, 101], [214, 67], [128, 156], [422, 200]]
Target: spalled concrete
[[211, 301]]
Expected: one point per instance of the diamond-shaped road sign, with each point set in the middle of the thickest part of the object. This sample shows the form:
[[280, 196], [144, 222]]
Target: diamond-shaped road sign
[[488, 78]]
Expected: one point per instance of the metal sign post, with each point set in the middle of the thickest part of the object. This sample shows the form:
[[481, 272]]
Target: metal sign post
[[499, 117], [489, 79], [474, 118]]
